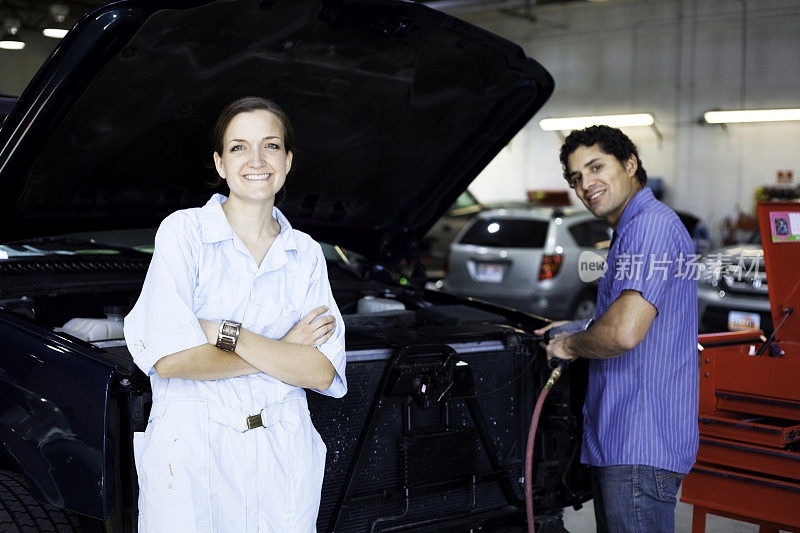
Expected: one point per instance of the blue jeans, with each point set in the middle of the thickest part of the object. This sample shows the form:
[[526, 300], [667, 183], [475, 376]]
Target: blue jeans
[[635, 498]]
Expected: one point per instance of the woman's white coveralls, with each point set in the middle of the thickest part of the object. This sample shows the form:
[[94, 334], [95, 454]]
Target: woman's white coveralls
[[199, 467]]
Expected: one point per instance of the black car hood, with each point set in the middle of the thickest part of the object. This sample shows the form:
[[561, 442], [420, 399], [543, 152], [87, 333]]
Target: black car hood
[[396, 108]]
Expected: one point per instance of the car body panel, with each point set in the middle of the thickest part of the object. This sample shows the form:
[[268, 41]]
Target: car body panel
[[55, 434]]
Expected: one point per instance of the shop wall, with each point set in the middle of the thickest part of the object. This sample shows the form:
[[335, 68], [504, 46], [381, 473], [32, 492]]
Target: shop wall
[[675, 59], [17, 67]]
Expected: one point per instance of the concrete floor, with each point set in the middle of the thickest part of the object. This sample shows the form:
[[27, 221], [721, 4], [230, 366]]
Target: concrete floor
[[583, 521]]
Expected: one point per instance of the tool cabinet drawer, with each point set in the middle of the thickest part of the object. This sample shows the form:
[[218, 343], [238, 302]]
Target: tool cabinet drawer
[[755, 429], [743, 494], [761, 405], [745, 456]]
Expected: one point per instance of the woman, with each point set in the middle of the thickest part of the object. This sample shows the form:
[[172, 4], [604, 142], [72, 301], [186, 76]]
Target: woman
[[229, 327]]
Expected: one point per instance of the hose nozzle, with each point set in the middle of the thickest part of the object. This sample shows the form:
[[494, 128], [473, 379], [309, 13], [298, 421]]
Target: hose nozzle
[[554, 376]]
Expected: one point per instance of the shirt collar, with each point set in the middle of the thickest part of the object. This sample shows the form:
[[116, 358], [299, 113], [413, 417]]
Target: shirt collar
[[640, 201], [286, 235], [214, 225]]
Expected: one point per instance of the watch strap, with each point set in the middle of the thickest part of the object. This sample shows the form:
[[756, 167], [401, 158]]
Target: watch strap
[[228, 335]]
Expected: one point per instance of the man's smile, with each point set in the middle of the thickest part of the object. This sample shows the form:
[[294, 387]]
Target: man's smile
[[595, 196]]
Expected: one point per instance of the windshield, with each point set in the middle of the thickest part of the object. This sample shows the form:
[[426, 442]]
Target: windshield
[[87, 243], [122, 241], [8, 251], [500, 232]]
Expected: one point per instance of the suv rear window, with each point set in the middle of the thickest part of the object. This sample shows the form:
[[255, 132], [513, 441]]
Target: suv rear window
[[591, 234], [506, 233]]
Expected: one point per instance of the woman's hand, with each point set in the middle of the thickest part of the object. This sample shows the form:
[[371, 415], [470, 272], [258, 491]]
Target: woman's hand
[[312, 329], [211, 329]]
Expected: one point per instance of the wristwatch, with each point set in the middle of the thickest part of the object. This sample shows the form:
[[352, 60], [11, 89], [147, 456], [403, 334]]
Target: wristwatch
[[228, 335]]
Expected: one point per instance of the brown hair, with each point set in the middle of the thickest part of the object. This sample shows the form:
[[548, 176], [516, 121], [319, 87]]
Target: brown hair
[[611, 140], [247, 105]]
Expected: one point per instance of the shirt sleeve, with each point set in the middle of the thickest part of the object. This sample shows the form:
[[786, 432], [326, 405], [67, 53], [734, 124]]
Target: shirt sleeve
[[163, 322], [319, 293], [647, 260]]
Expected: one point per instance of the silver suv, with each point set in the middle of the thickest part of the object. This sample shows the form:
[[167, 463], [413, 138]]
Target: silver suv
[[527, 258], [734, 295]]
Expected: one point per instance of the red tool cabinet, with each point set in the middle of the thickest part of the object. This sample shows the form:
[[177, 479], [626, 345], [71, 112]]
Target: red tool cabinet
[[748, 464]]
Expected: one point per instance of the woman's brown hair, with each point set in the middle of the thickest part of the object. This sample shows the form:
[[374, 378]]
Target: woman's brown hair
[[247, 105]]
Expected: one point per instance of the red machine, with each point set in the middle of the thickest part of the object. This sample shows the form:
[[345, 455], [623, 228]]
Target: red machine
[[748, 464]]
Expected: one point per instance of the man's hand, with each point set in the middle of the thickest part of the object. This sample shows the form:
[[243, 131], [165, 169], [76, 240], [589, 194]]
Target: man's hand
[[556, 347], [551, 325], [618, 331], [311, 330]]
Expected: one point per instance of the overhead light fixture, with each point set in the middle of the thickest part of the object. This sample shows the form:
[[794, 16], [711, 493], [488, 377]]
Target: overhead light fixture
[[59, 14], [55, 33], [751, 115], [10, 40], [577, 123]]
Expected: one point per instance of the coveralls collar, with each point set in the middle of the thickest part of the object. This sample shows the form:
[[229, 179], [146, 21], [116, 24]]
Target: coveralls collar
[[214, 227]]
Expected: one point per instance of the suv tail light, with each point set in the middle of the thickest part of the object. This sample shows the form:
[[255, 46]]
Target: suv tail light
[[550, 265]]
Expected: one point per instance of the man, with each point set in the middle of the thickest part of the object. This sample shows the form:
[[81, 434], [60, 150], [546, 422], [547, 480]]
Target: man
[[640, 428]]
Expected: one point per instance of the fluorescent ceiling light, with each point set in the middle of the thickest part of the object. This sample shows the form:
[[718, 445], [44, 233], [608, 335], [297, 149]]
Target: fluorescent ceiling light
[[751, 115], [11, 44], [55, 33], [577, 123]]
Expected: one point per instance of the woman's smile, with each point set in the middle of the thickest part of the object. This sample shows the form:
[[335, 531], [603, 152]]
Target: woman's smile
[[258, 177]]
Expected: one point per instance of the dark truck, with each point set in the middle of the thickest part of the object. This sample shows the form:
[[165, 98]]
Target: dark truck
[[397, 107]]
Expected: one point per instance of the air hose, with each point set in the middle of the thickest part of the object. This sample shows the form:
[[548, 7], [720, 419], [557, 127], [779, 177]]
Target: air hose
[[537, 411], [557, 366]]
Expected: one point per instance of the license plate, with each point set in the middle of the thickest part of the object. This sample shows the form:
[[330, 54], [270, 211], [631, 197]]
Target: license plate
[[489, 272], [741, 321]]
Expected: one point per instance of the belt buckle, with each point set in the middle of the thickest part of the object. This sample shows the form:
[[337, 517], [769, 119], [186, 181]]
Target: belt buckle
[[254, 421]]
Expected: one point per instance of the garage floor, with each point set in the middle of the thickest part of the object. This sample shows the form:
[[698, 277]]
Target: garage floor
[[583, 521]]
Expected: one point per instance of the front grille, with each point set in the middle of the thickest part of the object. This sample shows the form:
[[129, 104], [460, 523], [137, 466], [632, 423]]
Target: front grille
[[394, 460], [435, 458]]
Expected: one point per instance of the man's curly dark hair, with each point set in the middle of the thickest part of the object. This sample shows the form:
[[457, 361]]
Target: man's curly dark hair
[[611, 141]]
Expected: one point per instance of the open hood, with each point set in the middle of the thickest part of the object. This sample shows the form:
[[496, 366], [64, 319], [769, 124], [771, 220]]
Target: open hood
[[396, 108]]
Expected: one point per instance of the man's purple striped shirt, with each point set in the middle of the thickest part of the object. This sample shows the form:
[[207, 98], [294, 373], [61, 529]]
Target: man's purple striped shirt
[[641, 407]]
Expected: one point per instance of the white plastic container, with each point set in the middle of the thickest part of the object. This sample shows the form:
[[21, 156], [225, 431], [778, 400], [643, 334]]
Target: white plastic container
[[96, 329], [372, 304]]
